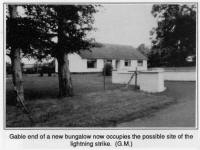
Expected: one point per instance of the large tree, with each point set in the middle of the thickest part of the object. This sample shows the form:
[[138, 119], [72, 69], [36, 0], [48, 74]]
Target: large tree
[[174, 38], [67, 25], [14, 51], [23, 39]]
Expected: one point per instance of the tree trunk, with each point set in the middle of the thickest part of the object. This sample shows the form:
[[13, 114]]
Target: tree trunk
[[17, 75], [64, 77], [16, 63], [65, 82]]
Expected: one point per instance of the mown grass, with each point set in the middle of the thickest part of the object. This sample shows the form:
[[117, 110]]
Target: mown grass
[[90, 107]]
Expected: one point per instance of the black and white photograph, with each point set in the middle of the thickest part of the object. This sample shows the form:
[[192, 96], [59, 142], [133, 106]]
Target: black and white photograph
[[100, 65]]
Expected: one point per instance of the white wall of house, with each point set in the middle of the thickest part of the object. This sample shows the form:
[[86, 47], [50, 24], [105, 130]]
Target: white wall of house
[[133, 65], [77, 64]]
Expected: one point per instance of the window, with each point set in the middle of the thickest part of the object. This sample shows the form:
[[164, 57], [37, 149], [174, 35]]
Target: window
[[140, 62], [109, 61], [127, 63], [91, 63]]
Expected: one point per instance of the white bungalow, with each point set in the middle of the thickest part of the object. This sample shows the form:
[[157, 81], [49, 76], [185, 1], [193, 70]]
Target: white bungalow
[[122, 57]]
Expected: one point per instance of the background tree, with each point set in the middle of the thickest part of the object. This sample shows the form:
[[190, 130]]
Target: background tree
[[69, 25], [174, 39], [143, 49]]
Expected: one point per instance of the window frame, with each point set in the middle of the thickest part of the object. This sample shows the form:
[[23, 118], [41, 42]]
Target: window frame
[[128, 63], [91, 61], [108, 61], [140, 63]]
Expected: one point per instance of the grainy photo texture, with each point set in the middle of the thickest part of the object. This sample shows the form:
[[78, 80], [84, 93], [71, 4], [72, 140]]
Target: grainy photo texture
[[100, 65]]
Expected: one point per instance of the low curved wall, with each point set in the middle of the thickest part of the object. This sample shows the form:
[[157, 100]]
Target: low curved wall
[[149, 81]]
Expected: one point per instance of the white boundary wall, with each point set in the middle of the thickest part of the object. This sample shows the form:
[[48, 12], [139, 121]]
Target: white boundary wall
[[180, 75]]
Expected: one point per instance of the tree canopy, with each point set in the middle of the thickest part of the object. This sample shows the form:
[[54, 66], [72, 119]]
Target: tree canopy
[[174, 38], [66, 26], [22, 32], [36, 32]]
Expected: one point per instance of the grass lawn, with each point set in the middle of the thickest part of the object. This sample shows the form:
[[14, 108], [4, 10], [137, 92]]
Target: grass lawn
[[90, 107]]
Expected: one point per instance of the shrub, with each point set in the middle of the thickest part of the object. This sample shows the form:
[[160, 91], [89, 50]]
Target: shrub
[[8, 68], [107, 70]]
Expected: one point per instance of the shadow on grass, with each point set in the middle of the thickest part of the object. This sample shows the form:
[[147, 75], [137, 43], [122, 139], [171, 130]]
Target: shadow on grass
[[95, 109], [91, 106]]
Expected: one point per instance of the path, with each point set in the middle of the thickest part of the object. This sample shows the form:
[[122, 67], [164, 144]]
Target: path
[[181, 114]]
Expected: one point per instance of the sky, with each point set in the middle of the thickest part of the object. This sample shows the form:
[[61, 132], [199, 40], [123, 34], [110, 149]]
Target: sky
[[127, 24]]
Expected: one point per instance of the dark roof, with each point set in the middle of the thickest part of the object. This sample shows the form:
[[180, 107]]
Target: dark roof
[[112, 51]]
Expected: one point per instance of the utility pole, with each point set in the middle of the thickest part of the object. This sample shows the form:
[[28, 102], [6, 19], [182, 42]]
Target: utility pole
[[136, 73]]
